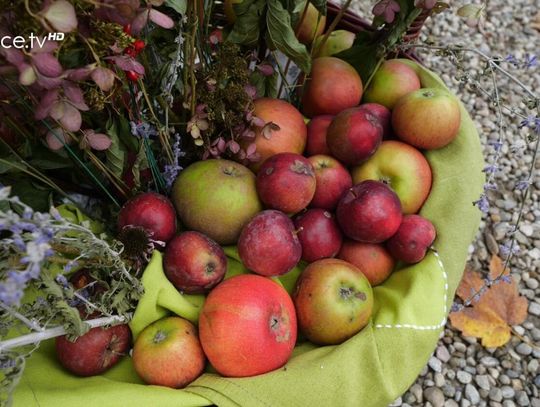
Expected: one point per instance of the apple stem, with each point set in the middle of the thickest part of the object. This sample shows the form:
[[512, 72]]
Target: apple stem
[[37, 337]]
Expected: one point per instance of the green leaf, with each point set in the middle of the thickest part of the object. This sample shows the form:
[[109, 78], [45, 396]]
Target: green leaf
[[470, 11], [266, 85], [116, 154], [247, 28], [180, 6], [281, 35]]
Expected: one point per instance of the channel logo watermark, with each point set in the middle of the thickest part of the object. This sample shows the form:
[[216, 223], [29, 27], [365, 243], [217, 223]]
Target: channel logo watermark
[[31, 42]]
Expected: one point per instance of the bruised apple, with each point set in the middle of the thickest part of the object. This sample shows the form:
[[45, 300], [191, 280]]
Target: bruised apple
[[286, 182], [285, 130], [168, 353], [412, 239], [247, 326], [333, 86], [369, 212], [94, 352], [269, 245], [319, 234], [194, 263], [371, 258], [333, 301], [153, 212], [332, 180]]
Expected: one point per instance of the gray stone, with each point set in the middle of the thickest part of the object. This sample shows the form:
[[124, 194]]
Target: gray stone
[[460, 347], [508, 403], [439, 380], [534, 309], [416, 391], [522, 399], [504, 379], [435, 396], [482, 382], [524, 349], [537, 381], [535, 402], [495, 394], [532, 367], [449, 390], [489, 361], [472, 394], [450, 403], [398, 402], [435, 364], [442, 354], [508, 392], [464, 377]]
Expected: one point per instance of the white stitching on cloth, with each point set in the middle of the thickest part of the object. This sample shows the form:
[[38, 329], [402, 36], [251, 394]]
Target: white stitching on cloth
[[445, 308]]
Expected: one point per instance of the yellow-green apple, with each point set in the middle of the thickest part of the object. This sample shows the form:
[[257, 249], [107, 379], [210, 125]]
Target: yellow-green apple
[[194, 263], [319, 234], [428, 118], [94, 352], [392, 80], [285, 130], [332, 180], [403, 168], [333, 301], [248, 326], [332, 86], [217, 198], [384, 115], [168, 353], [152, 212], [317, 129], [286, 182], [369, 212], [354, 135], [311, 26], [411, 241], [269, 245], [371, 258], [338, 40]]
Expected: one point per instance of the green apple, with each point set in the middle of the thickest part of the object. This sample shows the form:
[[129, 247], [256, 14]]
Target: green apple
[[333, 301], [392, 80], [168, 353], [216, 198], [338, 40], [403, 168], [311, 26]]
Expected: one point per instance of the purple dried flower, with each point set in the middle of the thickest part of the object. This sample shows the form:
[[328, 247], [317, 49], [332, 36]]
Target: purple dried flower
[[387, 9], [490, 168], [170, 172], [530, 61], [506, 278], [512, 59], [143, 130], [489, 186], [482, 203], [506, 247], [62, 280], [527, 122], [523, 184], [456, 307]]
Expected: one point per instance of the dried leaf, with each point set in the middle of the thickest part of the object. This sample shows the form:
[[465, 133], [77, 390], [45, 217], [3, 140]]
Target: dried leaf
[[61, 16], [104, 78], [47, 64], [494, 312]]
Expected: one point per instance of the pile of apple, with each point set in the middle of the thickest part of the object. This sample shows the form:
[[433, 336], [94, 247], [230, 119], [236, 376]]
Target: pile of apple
[[341, 193]]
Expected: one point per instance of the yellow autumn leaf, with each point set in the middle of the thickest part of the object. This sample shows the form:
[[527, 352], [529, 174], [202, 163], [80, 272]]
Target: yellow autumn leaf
[[490, 316]]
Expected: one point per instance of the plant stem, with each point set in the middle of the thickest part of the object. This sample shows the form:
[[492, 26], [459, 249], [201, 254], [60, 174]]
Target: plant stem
[[30, 324], [37, 337]]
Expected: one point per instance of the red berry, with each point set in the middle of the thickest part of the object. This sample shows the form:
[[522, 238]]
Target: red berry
[[132, 76], [139, 45], [130, 51], [127, 29]]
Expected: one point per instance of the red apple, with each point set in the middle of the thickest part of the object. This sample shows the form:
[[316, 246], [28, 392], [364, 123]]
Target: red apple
[[286, 182], [217, 198], [392, 80], [168, 353], [317, 129], [338, 40], [428, 118], [333, 86], [94, 352], [332, 180], [369, 212], [247, 326], [194, 263], [287, 132], [412, 239], [403, 168], [370, 258], [153, 212], [354, 135], [319, 234], [268, 245], [311, 26], [333, 301], [383, 115]]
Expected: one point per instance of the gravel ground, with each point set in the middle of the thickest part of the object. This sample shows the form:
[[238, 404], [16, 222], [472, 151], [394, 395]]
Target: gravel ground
[[462, 372]]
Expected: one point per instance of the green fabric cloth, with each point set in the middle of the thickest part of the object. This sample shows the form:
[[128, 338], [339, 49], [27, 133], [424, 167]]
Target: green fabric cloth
[[371, 369]]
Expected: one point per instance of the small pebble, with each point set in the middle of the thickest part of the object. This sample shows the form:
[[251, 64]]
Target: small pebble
[[472, 394], [464, 377]]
